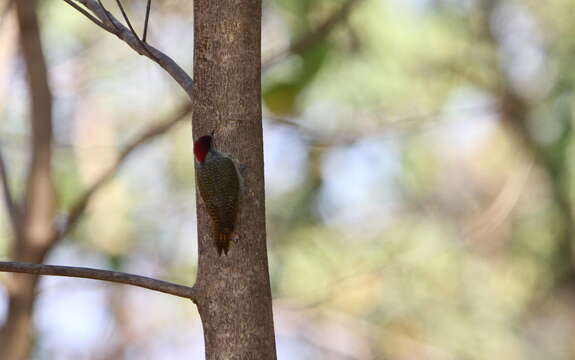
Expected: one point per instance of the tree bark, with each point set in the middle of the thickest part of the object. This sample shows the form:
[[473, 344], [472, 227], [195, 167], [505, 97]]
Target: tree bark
[[234, 297]]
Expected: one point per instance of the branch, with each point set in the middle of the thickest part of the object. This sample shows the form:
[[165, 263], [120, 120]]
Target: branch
[[97, 274], [112, 25], [78, 209], [127, 19], [86, 14], [312, 38], [146, 20]]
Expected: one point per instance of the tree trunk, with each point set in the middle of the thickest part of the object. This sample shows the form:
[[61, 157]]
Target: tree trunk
[[234, 299], [34, 228]]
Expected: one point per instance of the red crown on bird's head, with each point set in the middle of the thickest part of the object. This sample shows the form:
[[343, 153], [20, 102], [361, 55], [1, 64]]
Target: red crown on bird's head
[[202, 146]]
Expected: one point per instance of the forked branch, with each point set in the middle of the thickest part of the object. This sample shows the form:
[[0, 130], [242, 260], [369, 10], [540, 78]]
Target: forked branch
[[103, 18]]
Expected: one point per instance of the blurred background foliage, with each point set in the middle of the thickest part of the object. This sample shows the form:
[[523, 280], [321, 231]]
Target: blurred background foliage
[[419, 188]]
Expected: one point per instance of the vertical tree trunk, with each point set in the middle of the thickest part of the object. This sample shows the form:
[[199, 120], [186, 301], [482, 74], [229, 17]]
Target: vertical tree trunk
[[34, 232], [234, 292]]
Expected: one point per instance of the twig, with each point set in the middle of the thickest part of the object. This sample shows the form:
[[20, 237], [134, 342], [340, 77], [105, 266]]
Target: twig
[[98, 274], [13, 210], [78, 209], [312, 38], [108, 16], [112, 25], [142, 44], [86, 14], [148, 7]]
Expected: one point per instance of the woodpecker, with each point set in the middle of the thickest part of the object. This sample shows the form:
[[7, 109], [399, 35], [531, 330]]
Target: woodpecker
[[219, 183]]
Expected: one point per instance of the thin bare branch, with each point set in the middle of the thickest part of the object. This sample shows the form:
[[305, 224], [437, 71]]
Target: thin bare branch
[[108, 15], [127, 19], [86, 13], [312, 38], [146, 20], [78, 209], [112, 25], [13, 210], [98, 274]]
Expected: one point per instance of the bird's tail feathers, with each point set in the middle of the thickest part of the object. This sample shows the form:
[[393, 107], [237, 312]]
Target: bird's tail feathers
[[222, 240]]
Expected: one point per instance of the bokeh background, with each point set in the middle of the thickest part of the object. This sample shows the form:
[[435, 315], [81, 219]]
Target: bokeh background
[[418, 174]]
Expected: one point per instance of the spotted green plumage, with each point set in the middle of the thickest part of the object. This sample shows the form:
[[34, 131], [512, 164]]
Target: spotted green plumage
[[219, 187]]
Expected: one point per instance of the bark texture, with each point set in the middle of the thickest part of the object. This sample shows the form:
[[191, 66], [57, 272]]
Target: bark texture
[[234, 297]]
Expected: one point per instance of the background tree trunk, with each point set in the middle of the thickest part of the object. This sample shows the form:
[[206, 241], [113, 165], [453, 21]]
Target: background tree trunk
[[234, 291], [34, 231]]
